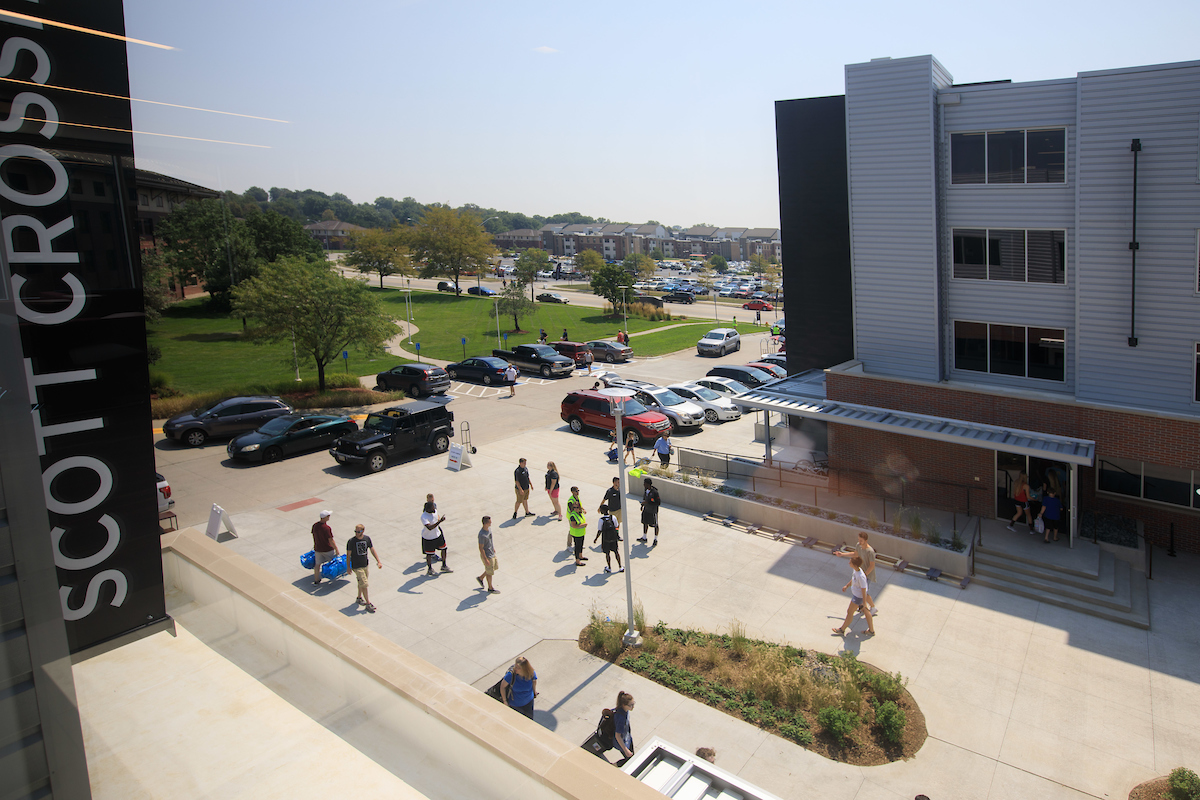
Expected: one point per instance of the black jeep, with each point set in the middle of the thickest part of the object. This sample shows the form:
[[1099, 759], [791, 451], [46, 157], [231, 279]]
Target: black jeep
[[394, 431]]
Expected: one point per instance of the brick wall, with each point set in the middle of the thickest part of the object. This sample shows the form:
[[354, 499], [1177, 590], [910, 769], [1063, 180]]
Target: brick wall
[[869, 461]]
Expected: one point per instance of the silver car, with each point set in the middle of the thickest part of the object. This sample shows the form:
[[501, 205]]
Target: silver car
[[684, 414], [716, 407], [726, 387]]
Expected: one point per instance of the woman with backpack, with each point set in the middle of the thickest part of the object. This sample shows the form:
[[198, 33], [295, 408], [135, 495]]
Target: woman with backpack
[[519, 686], [623, 735]]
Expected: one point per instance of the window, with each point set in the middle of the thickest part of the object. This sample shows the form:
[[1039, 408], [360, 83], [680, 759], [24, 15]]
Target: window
[[1001, 254], [1010, 350], [98, 188], [1174, 486], [158, 202], [1017, 156], [144, 199], [1196, 396]]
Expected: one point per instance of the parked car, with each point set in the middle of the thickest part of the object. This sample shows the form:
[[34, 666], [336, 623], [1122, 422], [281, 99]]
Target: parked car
[[165, 501], [416, 379], [446, 286], [646, 299], [395, 431], [774, 369], [546, 274], [590, 409], [487, 369], [679, 297], [727, 387], [683, 413], [482, 291], [551, 297], [610, 351], [778, 359], [727, 291], [716, 407], [760, 296], [227, 417], [294, 433], [573, 350], [718, 342], [758, 305], [540, 358], [747, 376]]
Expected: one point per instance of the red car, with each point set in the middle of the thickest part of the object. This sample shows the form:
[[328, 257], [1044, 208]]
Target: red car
[[758, 305], [588, 409], [767, 366]]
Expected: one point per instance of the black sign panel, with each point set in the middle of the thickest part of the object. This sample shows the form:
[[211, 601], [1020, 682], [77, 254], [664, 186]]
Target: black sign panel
[[67, 211]]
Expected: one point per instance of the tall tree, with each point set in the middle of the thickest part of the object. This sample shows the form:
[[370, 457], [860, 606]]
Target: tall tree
[[202, 239], [608, 281], [324, 312], [707, 279], [531, 262], [588, 261], [513, 302], [448, 243], [657, 254], [758, 264], [375, 250], [719, 263], [773, 280], [642, 266], [276, 235]]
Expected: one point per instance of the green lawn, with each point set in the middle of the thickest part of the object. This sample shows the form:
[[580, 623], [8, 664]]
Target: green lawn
[[679, 337]]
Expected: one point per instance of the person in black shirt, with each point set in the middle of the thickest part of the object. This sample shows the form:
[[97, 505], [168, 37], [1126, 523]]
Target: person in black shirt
[[521, 486], [609, 529], [357, 548], [650, 503], [612, 499]]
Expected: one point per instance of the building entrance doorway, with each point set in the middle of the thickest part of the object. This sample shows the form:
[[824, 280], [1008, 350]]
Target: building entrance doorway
[[1043, 474]]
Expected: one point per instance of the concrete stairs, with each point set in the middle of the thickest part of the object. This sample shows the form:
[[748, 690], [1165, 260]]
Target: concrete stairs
[[1104, 587]]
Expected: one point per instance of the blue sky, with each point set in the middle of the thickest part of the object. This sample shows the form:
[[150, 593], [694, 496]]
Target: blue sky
[[631, 111]]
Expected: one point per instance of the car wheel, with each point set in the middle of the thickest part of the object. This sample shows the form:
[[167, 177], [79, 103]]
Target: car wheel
[[195, 437], [611, 358], [710, 415], [272, 454], [545, 371], [441, 443], [487, 380], [576, 424], [379, 387], [453, 374], [377, 462], [737, 347], [414, 390]]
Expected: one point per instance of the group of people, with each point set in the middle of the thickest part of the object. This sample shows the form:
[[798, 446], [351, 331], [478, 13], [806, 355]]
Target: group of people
[[1049, 515], [862, 574], [358, 549]]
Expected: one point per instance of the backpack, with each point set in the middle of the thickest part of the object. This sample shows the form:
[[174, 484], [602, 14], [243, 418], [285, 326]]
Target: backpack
[[603, 738], [608, 528]]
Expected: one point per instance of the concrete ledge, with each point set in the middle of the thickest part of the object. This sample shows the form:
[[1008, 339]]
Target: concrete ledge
[[412, 711]]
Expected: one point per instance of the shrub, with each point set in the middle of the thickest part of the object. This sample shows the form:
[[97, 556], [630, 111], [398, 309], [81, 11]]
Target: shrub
[[933, 533], [797, 734], [886, 686], [160, 383], [1185, 784], [896, 522], [914, 525], [855, 521], [891, 720], [738, 642], [837, 723], [956, 541], [872, 521], [166, 407], [639, 616]]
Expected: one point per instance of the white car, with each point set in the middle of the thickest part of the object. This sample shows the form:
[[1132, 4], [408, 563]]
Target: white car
[[545, 274], [717, 407], [683, 413], [165, 501], [726, 387]]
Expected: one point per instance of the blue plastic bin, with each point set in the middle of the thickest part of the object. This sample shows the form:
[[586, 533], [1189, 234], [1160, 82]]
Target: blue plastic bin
[[308, 560], [335, 567]]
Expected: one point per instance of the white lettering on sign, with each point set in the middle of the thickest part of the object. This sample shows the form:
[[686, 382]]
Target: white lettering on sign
[[49, 379], [53, 195], [44, 254], [20, 110], [66, 562], [78, 298], [93, 591], [13, 46], [77, 462]]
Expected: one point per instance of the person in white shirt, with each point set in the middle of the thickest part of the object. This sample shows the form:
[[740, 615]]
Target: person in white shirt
[[860, 600], [510, 375], [432, 539]]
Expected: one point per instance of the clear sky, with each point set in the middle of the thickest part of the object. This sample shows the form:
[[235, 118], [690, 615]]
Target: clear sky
[[626, 110]]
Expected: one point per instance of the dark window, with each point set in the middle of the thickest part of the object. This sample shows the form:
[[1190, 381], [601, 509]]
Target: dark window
[[1047, 251], [1047, 354], [967, 159], [1167, 484], [144, 199], [1196, 396], [158, 202], [76, 186], [1006, 157], [595, 406], [970, 346], [1046, 156], [970, 254], [1121, 476], [98, 188], [1007, 349], [1006, 255]]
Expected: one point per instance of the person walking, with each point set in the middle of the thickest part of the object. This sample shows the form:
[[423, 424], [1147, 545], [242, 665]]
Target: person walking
[[1021, 496], [610, 530], [588, 360], [867, 553], [552, 488], [541, 335], [521, 487], [1051, 513], [577, 526], [612, 499], [518, 688], [510, 377], [860, 599], [650, 503], [487, 554], [623, 737], [630, 442], [565, 338], [663, 447], [358, 548], [433, 540], [324, 547]]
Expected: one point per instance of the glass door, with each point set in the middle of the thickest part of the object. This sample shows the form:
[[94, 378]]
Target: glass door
[[1043, 474]]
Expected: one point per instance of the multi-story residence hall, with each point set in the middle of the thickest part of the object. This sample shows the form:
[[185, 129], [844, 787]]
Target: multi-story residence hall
[[1001, 278]]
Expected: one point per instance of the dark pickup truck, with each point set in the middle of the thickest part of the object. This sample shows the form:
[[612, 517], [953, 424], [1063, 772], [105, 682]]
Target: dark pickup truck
[[394, 431], [540, 358]]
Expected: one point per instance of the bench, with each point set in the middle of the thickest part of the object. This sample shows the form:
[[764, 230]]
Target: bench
[[170, 518]]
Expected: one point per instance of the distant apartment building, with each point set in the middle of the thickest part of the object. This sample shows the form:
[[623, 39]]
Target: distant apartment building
[[332, 235], [1002, 278], [615, 241]]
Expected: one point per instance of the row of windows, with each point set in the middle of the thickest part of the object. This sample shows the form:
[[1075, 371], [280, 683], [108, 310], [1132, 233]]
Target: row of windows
[[1011, 350], [1172, 485], [1007, 157], [999, 254]]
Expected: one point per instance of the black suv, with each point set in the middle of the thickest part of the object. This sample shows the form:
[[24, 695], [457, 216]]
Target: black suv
[[416, 379], [679, 296], [394, 431], [227, 417]]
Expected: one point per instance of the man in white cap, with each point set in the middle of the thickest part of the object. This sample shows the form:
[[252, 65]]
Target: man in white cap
[[324, 547]]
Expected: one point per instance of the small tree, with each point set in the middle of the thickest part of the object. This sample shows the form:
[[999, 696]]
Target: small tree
[[772, 280], [640, 265], [448, 243], [657, 254], [513, 302], [531, 262], [719, 264], [608, 282], [588, 261], [758, 264], [379, 251], [324, 312]]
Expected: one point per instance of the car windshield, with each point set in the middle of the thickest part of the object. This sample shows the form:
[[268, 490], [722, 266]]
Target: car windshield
[[544, 350], [379, 423], [277, 426], [206, 409], [759, 374], [736, 387], [704, 393], [497, 363], [668, 398], [714, 335], [633, 407]]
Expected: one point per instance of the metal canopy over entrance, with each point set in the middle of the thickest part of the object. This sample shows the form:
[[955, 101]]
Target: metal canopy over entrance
[[972, 434]]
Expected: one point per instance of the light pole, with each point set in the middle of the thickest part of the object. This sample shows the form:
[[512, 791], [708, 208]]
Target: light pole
[[295, 359], [497, 302], [478, 274], [408, 308], [617, 398], [625, 311]]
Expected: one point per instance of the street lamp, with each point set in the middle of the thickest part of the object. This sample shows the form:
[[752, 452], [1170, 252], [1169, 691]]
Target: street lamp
[[478, 274], [617, 398], [625, 312], [408, 308]]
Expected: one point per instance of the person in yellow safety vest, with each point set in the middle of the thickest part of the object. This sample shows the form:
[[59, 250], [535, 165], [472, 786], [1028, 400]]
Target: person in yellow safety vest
[[577, 524]]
